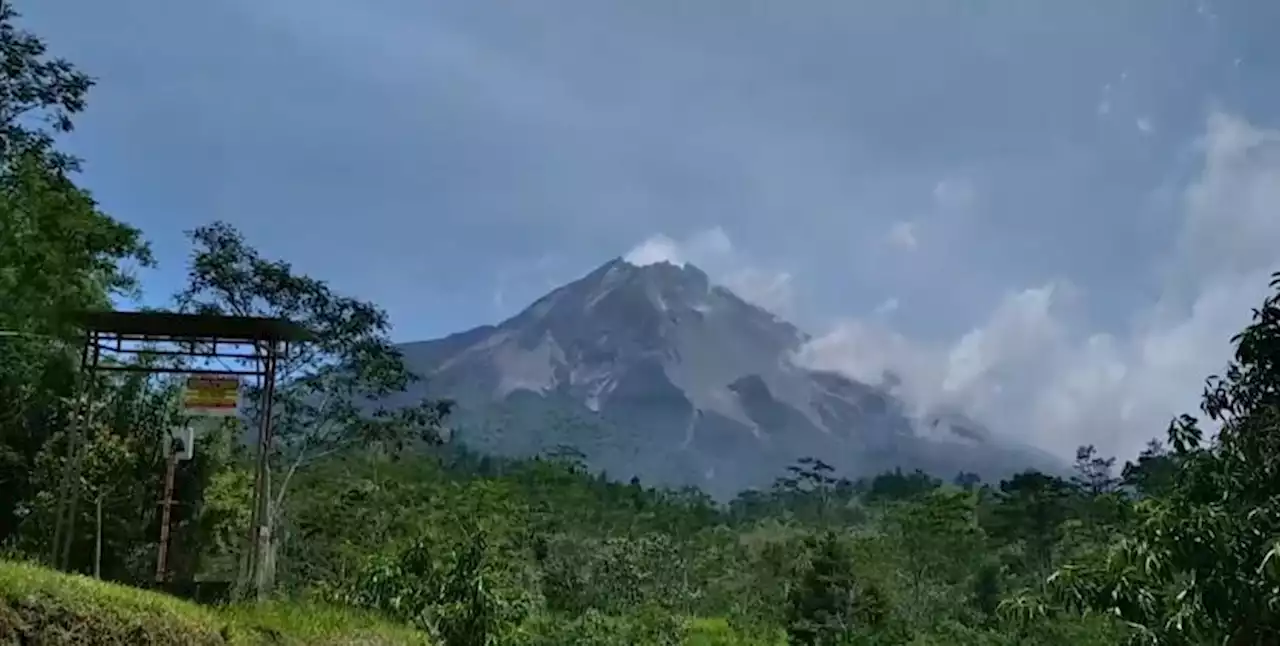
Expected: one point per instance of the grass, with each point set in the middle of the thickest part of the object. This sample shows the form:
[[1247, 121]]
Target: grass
[[319, 625], [40, 606], [716, 631]]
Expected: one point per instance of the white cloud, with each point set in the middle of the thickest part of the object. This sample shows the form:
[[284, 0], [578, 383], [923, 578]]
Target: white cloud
[[1233, 208], [771, 290], [903, 235], [712, 251], [954, 193], [656, 249], [886, 308], [709, 246], [868, 351], [1144, 125], [1104, 104], [1027, 372], [1012, 340]]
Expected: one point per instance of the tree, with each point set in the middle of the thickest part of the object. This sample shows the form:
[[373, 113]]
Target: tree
[[1031, 508], [1101, 506], [122, 466], [986, 589], [1093, 473], [58, 254], [334, 392], [939, 540], [1202, 564], [38, 95], [811, 490], [967, 480], [896, 485], [827, 605], [1153, 473]]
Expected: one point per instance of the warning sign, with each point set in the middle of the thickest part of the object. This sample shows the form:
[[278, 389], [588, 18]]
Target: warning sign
[[211, 395]]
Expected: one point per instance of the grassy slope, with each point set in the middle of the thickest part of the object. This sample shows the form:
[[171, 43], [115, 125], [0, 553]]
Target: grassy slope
[[40, 606]]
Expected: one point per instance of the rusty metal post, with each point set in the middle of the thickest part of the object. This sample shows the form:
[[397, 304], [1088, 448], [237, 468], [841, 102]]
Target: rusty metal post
[[166, 504]]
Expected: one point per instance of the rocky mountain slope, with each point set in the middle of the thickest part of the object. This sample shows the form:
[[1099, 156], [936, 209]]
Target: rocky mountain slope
[[657, 373]]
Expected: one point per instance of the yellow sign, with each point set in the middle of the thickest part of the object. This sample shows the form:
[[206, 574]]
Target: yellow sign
[[211, 395]]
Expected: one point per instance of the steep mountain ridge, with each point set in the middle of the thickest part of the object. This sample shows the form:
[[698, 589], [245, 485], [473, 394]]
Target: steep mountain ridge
[[656, 372]]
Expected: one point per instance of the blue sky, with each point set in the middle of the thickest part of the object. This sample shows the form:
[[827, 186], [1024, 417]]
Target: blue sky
[[1052, 214]]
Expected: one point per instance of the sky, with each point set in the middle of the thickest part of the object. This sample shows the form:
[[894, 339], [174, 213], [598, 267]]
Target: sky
[[1050, 215]]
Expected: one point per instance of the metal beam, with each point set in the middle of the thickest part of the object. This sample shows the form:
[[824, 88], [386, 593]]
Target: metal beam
[[179, 371], [180, 353]]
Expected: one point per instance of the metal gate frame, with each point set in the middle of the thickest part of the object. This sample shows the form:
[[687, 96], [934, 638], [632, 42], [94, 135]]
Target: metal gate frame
[[167, 334]]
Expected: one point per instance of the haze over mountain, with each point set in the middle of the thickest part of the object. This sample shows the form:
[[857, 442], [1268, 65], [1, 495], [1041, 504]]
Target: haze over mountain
[[653, 371]]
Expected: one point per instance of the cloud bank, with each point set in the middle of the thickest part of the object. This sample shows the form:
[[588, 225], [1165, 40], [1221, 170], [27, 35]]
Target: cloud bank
[[1028, 372], [1028, 369]]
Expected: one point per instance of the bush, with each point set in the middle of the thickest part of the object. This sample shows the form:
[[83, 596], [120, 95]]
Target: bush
[[649, 626]]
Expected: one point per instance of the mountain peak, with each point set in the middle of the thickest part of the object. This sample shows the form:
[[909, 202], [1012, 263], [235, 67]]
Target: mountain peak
[[666, 271], [670, 378], [624, 291]]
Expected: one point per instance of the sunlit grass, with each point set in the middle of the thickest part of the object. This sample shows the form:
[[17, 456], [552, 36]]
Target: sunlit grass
[[38, 605], [320, 625], [718, 632]]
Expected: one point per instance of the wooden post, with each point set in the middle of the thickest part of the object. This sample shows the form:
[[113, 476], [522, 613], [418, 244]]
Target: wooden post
[[166, 504]]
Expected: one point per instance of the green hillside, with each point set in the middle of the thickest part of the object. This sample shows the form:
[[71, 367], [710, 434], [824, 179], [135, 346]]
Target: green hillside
[[40, 606]]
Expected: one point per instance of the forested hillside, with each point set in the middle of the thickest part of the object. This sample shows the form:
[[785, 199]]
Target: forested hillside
[[377, 512]]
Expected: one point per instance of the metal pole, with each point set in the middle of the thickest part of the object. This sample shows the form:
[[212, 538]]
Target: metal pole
[[76, 454], [74, 505], [97, 542], [262, 513], [64, 485], [248, 567], [166, 504]]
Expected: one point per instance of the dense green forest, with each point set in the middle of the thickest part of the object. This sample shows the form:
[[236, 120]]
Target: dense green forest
[[378, 511]]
